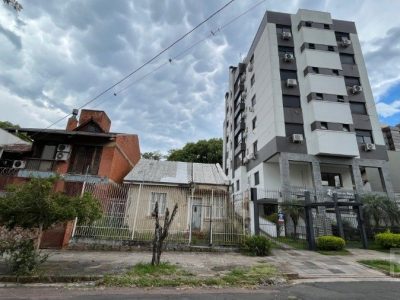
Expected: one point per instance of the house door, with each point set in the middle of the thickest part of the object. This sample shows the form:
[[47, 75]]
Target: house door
[[196, 214]]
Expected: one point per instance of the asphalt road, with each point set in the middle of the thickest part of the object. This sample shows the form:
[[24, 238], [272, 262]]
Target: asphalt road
[[333, 290]]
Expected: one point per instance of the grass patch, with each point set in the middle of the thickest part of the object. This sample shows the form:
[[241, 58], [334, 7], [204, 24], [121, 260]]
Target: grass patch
[[337, 252], [382, 265], [294, 243], [372, 245], [167, 275]]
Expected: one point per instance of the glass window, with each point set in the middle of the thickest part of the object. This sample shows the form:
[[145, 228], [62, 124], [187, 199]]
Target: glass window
[[291, 101], [331, 48], [335, 72], [327, 26], [346, 127], [283, 50], [256, 178], [255, 149], [253, 101], [319, 96], [252, 80], [358, 108], [311, 46], [308, 24], [364, 136], [347, 58], [324, 125], [331, 179], [292, 128], [48, 152], [254, 122], [350, 81], [282, 28], [288, 74], [340, 98], [339, 35], [161, 198], [237, 185]]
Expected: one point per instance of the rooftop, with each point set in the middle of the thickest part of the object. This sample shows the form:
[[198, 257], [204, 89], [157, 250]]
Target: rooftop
[[175, 172]]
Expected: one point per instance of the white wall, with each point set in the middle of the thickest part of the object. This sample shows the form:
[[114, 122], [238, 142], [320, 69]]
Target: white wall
[[327, 84], [317, 36], [328, 111], [321, 59], [300, 175], [272, 177], [331, 142], [311, 15], [394, 169]]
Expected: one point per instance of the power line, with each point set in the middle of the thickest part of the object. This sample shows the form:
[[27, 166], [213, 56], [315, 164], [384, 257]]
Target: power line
[[147, 62], [186, 50]]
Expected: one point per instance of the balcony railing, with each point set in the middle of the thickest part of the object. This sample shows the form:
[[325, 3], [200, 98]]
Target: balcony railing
[[37, 164]]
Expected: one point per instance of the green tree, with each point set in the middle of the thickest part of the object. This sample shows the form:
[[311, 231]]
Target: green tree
[[294, 209], [14, 4], [380, 209], [35, 204], [203, 151], [22, 136], [156, 155]]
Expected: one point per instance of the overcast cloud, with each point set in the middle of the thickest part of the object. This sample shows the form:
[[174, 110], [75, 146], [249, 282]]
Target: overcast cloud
[[56, 55]]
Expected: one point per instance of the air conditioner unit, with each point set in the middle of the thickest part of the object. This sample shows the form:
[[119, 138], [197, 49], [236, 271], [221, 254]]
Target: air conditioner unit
[[355, 89], [244, 95], [369, 147], [288, 57], [345, 42], [286, 35], [291, 82], [251, 109], [64, 148], [245, 160], [62, 155], [250, 68], [297, 138], [19, 164]]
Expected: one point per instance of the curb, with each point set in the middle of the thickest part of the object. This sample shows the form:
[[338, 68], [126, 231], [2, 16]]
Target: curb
[[49, 279]]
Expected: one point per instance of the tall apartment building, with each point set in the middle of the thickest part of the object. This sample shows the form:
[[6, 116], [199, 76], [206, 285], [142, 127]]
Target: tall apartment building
[[391, 134], [300, 110]]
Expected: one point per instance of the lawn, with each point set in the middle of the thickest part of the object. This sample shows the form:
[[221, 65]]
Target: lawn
[[294, 243], [338, 252], [382, 265], [168, 275]]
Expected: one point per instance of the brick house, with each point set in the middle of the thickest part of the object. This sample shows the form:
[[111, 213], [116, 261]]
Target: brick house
[[86, 151]]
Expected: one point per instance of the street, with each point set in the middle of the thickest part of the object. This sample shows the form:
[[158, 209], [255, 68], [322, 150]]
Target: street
[[329, 290]]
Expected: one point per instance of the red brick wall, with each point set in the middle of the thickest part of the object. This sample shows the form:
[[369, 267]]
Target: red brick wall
[[100, 117]]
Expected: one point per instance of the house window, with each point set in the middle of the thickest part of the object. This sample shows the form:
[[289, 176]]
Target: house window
[[319, 96], [253, 101], [256, 178], [331, 179], [324, 125], [161, 198], [85, 160], [255, 147], [252, 59], [331, 48], [237, 185], [291, 101], [216, 205], [335, 72], [347, 59], [308, 24], [364, 136], [346, 127], [327, 26], [339, 35], [315, 70], [358, 108], [288, 74], [252, 80], [254, 121], [340, 98], [282, 50], [293, 128], [48, 152], [311, 46]]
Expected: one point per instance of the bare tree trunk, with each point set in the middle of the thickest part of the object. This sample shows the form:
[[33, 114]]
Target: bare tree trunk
[[39, 240], [160, 233]]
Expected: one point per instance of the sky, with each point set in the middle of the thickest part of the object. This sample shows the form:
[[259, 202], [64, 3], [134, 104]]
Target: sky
[[57, 55]]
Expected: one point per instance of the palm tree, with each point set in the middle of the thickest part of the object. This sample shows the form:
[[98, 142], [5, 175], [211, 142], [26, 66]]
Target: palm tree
[[380, 209], [294, 209]]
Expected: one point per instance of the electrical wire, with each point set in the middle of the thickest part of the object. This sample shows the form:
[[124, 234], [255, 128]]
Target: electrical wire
[[146, 63]]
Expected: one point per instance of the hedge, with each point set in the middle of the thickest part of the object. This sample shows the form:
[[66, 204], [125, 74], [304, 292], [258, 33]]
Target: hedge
[[330, 243], [388, 240], [257, 245]]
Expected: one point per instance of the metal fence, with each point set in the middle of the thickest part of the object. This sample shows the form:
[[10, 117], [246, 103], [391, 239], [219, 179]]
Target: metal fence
[[205, 216]]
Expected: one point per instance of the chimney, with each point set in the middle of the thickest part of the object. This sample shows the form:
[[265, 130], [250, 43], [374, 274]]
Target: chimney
[[98, 116], [72, 121]]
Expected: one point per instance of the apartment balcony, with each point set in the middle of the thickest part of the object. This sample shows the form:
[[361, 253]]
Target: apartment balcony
[[239, 108], [241, 126], [336, 143], [240, 147]]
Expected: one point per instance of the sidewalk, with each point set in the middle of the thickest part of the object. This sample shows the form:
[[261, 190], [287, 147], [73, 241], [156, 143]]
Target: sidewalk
[[306, 264]]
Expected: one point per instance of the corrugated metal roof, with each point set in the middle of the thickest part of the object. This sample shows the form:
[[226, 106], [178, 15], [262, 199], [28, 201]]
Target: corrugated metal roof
[[176, 172]]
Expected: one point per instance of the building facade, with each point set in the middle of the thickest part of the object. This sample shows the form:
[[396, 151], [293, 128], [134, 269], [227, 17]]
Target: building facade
[[391, 135], [86, 151], [300, 110]]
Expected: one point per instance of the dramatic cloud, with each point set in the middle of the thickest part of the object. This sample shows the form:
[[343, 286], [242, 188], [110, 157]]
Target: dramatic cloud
[[57, 55]]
